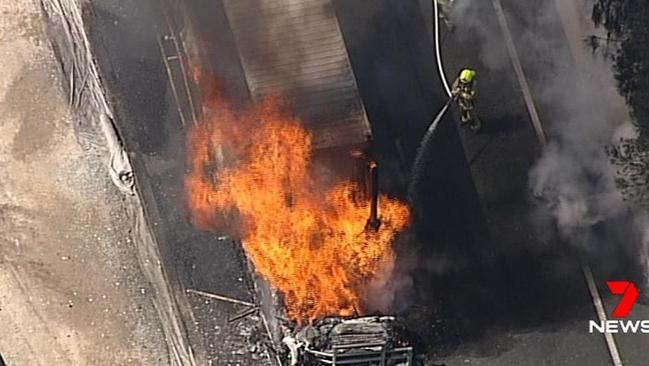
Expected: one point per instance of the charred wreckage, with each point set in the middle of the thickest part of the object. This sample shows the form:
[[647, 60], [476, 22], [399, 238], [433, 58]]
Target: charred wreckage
[[374, 340], [360, 340], [327, 102]]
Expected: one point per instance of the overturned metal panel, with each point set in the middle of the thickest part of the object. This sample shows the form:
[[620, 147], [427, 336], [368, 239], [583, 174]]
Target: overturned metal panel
[[295, 48]]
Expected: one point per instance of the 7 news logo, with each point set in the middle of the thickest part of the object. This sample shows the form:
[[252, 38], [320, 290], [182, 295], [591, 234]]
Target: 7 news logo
[[630, 295]]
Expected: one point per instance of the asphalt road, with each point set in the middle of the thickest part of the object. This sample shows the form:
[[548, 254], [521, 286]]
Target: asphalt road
[[543, 304], [490, 282]]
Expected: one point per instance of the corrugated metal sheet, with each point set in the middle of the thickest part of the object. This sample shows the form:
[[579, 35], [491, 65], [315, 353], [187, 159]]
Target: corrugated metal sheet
[[295, 48]]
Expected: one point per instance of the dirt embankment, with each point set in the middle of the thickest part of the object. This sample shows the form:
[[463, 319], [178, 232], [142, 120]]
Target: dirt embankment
[[72, 290]]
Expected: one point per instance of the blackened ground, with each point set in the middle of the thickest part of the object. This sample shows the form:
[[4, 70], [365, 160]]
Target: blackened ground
[[124, 38]]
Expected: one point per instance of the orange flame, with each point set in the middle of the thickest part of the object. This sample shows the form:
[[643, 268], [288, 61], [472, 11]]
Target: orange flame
[[309, 243]]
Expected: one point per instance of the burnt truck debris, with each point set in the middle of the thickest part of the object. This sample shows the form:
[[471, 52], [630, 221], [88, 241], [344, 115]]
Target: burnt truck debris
[[313, 71], [371, 341]]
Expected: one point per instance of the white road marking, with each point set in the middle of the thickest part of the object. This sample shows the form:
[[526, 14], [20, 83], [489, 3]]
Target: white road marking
[[601, 314], [520, 75]]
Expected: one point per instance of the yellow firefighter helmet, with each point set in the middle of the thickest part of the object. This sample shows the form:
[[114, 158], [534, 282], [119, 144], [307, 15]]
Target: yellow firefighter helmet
[[467, 75]]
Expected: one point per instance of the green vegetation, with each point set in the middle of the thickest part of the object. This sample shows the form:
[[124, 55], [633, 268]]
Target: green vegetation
[[631, 157], [627, 43], [627, 24]]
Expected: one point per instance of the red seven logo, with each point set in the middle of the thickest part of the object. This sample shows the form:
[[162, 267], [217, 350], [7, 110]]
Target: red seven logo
[[629, 296]]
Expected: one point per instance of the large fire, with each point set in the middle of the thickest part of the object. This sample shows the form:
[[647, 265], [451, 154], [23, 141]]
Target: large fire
[[252, 170]]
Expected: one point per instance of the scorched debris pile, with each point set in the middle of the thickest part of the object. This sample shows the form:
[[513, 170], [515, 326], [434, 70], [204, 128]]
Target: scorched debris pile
[[309, 241]]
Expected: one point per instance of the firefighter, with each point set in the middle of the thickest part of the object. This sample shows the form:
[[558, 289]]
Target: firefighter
[[463, 91]]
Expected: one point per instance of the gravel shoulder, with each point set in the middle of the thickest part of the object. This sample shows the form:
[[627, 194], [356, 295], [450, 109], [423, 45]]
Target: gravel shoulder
[[71, 288]]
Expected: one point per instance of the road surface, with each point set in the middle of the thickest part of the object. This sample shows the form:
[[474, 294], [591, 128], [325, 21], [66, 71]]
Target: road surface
[[543, 306]]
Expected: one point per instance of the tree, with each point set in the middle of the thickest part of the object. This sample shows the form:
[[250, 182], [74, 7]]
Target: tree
[[627, 26], [627, 21], [631, 157]]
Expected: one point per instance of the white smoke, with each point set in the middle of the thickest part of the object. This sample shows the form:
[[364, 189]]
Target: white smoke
[[574, 175], [382, 291], [578, 188], [583, 114]]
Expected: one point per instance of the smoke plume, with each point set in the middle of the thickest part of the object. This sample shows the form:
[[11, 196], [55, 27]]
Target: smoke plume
[[574, 176], [573, 180]]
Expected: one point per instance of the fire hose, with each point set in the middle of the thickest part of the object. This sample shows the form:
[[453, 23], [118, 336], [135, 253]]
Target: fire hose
[[424, 146], [426, 141], [440, 68], [438, 53]]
